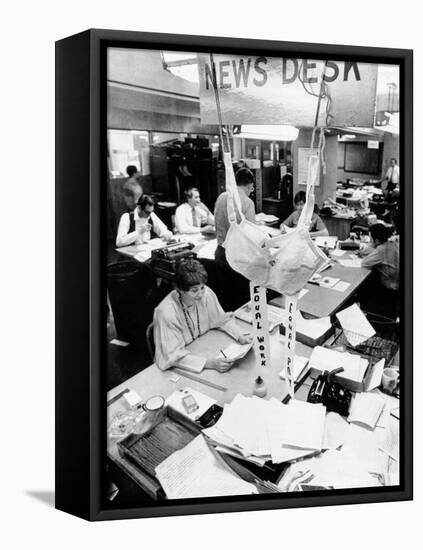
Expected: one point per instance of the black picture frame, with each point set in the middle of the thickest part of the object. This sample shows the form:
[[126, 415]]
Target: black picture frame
[[80, 274]]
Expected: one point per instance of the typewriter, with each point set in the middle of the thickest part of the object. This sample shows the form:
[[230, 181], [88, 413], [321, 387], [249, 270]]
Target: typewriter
[[164, 260]]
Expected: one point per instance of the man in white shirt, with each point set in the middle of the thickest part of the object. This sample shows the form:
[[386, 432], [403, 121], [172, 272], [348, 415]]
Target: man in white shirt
[[392, 176], [139, 226], [193, 216]]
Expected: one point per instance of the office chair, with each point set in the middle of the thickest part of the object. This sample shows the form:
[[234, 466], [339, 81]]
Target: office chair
[[149, 339]]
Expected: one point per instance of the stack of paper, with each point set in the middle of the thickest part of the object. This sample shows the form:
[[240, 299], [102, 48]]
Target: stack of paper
[[350, 263], [331, 470], [207, 251], [366, 409], [195, 471], [300, 367], [324, 359], [256, 427], [191, 363], [313, 328]]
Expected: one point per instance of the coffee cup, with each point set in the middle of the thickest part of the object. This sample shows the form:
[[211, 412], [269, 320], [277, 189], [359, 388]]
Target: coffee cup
[[390, 379]]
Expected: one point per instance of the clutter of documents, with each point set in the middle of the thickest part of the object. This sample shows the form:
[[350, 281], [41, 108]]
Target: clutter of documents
[[195, 471], [256, 428]]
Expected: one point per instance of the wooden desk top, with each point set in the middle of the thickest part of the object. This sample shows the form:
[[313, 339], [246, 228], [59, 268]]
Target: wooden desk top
[[321, 302]]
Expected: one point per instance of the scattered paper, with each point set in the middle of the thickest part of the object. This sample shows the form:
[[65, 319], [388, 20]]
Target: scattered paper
[[361, 445], [195, 471], [204, 402], [313, 328], [328, 282], [366, 409], [299, 367], [207, 251], [390, 444], [341, 286], [331, 469], [350, 263], [337, 252], [298, 424], [325, 359], [335, 431], [235, 351], [375, 377], [323, 242], [357, 328]]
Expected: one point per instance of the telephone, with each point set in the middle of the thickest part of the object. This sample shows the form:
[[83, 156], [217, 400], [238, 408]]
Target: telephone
[[331, 394]]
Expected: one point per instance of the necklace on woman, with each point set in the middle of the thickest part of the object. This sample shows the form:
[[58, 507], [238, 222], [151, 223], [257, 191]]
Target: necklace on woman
[[188, 320]]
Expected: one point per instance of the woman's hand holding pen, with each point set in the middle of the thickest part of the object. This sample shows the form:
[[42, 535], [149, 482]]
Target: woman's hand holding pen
[[245, 339]]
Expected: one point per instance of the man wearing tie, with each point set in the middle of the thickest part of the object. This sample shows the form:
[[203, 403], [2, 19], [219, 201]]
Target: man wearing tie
[[193, 216], [392, 176]]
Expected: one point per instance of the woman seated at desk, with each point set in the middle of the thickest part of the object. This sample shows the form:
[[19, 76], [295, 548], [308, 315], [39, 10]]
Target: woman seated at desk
[[185, 314], [382, 256], [317, 227], [139, 226]]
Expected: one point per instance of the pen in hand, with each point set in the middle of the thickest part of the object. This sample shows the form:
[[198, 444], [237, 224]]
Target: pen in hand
[[223, 353]]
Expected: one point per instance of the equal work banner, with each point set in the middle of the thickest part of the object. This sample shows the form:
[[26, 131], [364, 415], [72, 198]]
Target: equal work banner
[[271, 90], [260, 324]]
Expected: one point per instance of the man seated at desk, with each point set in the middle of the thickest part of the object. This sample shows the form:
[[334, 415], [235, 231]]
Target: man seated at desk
[[140, 225], [188, 312], [317, 227], [382, 256], [193, 216]]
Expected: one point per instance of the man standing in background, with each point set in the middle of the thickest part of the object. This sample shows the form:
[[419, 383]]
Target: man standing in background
[[392, 176], [235, 288]]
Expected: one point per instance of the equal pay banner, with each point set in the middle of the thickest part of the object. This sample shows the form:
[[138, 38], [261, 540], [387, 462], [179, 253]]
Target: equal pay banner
[[271, 90]]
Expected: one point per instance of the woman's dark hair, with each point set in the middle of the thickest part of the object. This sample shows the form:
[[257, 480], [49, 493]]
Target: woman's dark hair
[[188, 192], [145, 200], [300, 197], [244, 176], [380, 232], [190, 273], [131, 170]]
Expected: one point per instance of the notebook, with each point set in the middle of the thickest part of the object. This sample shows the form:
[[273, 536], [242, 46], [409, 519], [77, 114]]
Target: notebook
[[366, 409], [191, 363]]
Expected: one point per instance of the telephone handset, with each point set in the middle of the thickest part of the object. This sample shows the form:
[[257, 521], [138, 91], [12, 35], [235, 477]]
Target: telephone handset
[[331, 394]]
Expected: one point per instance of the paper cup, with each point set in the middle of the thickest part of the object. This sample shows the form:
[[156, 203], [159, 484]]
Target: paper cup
[[389, 380]]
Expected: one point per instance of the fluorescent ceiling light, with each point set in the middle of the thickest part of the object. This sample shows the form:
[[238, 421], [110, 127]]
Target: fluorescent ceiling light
[[268, 132]]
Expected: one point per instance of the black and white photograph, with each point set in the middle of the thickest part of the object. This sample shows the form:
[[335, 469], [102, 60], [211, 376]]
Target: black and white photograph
[[254, 283]]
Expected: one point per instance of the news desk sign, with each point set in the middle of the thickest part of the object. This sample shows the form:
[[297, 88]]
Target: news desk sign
[[272, 90]]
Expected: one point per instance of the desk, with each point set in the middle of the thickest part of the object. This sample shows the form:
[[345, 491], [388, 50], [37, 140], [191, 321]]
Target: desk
[[321, 302], [240, 379], [339, 226], [198, 240]]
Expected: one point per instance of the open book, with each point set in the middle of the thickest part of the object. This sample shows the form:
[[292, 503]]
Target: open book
[[366, 409]]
